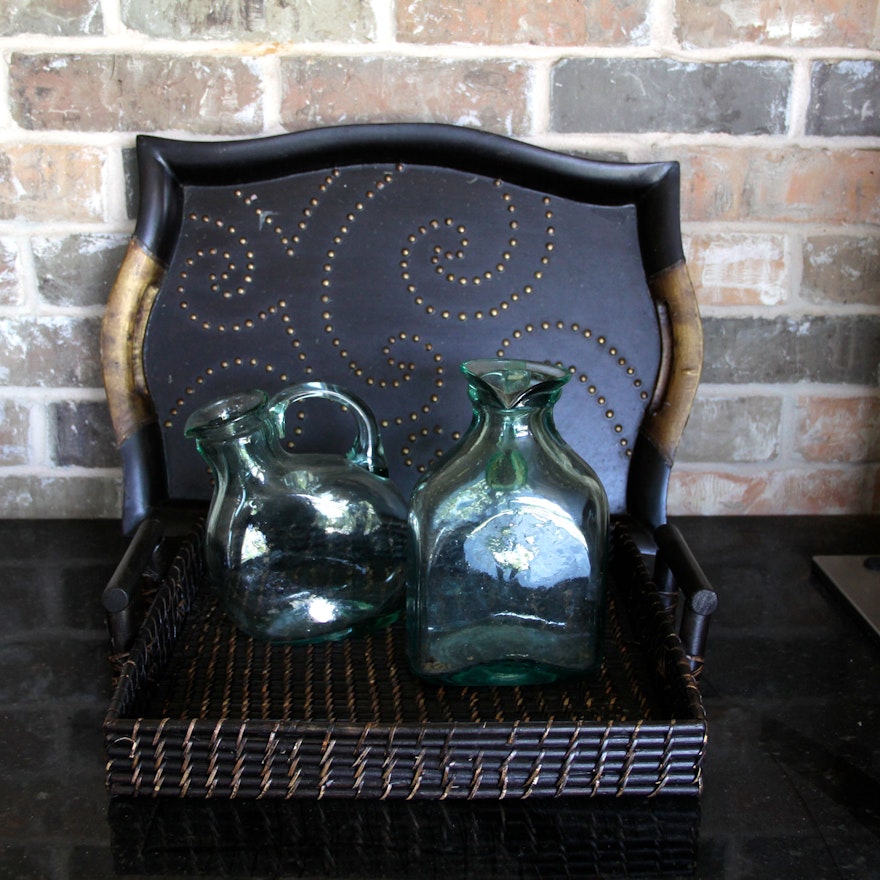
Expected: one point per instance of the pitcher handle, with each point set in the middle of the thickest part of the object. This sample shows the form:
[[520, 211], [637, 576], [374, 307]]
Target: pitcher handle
[[367, 451]]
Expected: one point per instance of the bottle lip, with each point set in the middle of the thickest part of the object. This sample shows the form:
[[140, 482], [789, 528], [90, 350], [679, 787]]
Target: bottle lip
[[512, 383], [223, 416]]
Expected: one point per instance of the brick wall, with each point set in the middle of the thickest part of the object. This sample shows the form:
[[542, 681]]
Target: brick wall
[[773, 109]]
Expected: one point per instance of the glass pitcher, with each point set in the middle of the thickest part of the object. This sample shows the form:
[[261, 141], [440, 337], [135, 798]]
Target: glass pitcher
[[508, 542], [300, 547]]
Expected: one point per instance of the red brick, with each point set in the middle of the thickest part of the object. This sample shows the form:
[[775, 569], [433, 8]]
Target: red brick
[[838, 429], [833, 490], [136, 93], [78, 269], [43, 497], [484, 94], [297, 21], [728, 429], [776, 22], [53, 17], [51, 182], [842, 269], [50, 351], [539, 22], [14, 430], [10, 279], [794, 185], [738, 269]]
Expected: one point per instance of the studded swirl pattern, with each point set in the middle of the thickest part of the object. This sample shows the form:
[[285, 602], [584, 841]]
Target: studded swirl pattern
[[383, 279]]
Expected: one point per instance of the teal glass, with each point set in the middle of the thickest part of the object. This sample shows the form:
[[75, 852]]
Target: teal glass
[[300, 547], [508, 542]]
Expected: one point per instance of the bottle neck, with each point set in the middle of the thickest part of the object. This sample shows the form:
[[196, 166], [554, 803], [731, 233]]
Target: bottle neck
[[507, 424], [241, 457]]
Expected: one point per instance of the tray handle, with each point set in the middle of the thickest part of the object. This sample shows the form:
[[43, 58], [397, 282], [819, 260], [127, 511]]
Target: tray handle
[[677, 571], [122, 595]]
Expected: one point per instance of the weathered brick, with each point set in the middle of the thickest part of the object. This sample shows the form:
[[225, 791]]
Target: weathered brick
[[208, 95], [737, 269], [732, 429], [796, 185], [709, 23], [293, 20], [541, 23], [50, 351], [77, 270], [838, 429], [10, 273], [14, 433], [485, 94], [60, 18], [51, 182], [841, 269], [83, 435], [41, 497], [844, 99], [832, 490], [652, 94], [824, 348]]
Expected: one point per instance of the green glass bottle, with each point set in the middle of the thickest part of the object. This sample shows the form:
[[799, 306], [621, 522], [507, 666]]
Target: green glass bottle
[[301, 547], [508, 542]]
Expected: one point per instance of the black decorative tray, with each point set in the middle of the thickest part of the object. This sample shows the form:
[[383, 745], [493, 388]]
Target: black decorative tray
[[201, 711]]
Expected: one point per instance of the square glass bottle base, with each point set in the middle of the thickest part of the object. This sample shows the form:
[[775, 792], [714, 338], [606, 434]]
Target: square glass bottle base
[[507, 655]]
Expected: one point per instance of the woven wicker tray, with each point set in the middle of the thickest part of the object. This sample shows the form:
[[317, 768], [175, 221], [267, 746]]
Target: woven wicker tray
[[202, 711]]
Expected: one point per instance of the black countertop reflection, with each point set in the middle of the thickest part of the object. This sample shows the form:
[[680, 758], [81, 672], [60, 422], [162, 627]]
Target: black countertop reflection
[[792, 773]]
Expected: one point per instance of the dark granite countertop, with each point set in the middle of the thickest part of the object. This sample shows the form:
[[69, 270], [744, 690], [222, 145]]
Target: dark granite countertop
[[791, 686]]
